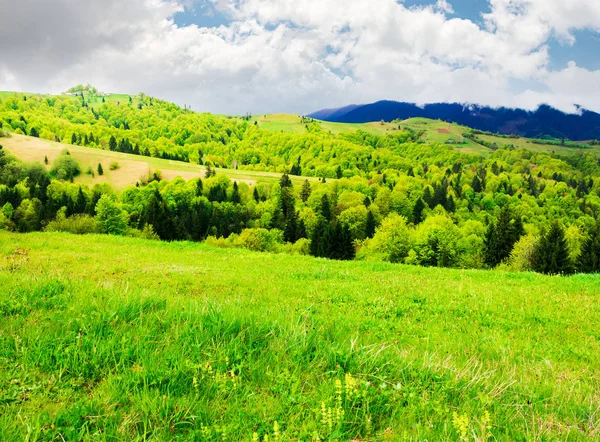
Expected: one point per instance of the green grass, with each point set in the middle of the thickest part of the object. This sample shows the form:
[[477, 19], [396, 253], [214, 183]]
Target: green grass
[[106, 338], [293, 124], [132, 167]]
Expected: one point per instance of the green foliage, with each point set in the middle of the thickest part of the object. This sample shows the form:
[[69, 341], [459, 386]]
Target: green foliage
[[79, 224], [65, 167], [552, 254], [110, 217]]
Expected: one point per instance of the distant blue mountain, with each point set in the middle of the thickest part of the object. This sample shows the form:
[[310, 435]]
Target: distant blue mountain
[[545, 122]]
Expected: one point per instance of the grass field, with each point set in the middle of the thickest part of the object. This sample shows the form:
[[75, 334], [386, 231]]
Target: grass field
[[293, 123], [131, 167], [107, 338]]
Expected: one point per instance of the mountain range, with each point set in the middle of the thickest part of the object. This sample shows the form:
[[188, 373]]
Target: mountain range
[[544, 122]]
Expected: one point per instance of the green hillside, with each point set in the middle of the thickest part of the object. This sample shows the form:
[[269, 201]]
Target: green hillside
[[121, 339], [132, 168]]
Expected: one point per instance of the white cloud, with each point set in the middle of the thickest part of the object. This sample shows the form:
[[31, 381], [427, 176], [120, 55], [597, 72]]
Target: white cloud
[[301, 55]]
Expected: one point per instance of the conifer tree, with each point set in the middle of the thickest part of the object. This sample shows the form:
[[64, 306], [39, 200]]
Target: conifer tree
[[255, 194], [199, 187], [235, 195], [46, 159], [371, 225], [291, 227], [112, 143], [589, 260], [100, 170], [552, 254], [476, 184], [325, 207], [338, 172], [417, 215], [306, 191], [501, 237]]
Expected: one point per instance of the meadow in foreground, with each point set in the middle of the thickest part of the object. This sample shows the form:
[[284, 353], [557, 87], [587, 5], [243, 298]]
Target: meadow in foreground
[[112, 338]]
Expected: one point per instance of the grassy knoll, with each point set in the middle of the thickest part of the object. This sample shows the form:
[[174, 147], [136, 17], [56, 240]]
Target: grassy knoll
[[107, 338], [131, 167]]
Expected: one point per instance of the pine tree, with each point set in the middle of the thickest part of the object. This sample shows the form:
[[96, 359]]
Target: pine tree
[[417, 215], [235, 195], [371, 225], [112, 143], [81, 203], [476, 184], [502, 236], [589, 260], [428, 197], [301, 232], [325, 207], [319, 241], [100, 170], [552, 254], [306, 191], [291, 227]]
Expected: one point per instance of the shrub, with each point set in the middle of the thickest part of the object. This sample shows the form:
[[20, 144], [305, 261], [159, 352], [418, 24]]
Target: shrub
[[77, 224], [114, 165], [65, 167], [261, 240]]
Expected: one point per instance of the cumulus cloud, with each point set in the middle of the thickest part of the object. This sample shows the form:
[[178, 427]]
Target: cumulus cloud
[[301, 55]]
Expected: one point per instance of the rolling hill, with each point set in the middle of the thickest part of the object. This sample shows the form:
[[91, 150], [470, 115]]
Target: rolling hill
[[545, 122]]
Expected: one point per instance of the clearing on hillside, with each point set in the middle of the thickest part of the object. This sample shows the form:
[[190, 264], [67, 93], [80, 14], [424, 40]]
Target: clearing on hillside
[[132, 167]]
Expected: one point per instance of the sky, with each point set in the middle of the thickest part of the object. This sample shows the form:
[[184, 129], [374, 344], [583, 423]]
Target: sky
[[267, 56]]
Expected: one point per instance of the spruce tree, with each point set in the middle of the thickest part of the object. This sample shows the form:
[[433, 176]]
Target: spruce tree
[[501, 237], [371, 225], [417, 215], [235, 195], [325, 207], [112, 143], [552, 254], [306, 191], [291, 227], [589, 260], [476, 184], [45, 159], [100, 170], [338, 172], [255, 194]]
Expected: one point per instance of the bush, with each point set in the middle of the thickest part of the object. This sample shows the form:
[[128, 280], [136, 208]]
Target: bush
[[260, 240], [77, 224], [114, 165], [65, 167]]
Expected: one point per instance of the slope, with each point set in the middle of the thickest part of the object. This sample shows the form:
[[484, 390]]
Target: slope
[[117, 338]]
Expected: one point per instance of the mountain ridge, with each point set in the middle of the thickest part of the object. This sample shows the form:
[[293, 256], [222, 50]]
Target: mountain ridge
[[544, 122]]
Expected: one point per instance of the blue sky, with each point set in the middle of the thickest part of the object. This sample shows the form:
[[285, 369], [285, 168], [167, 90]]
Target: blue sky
[[297, 56]]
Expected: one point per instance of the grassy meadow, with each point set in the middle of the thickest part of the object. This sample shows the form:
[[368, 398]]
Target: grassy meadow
[[111, 338], [131, 167]]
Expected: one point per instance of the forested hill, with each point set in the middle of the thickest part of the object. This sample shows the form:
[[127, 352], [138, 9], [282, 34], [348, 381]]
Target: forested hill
[[545, 122], [391, 197]]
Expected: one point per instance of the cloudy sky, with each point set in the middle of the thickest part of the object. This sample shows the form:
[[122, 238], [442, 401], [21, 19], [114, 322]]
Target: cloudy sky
[[237, 56]]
